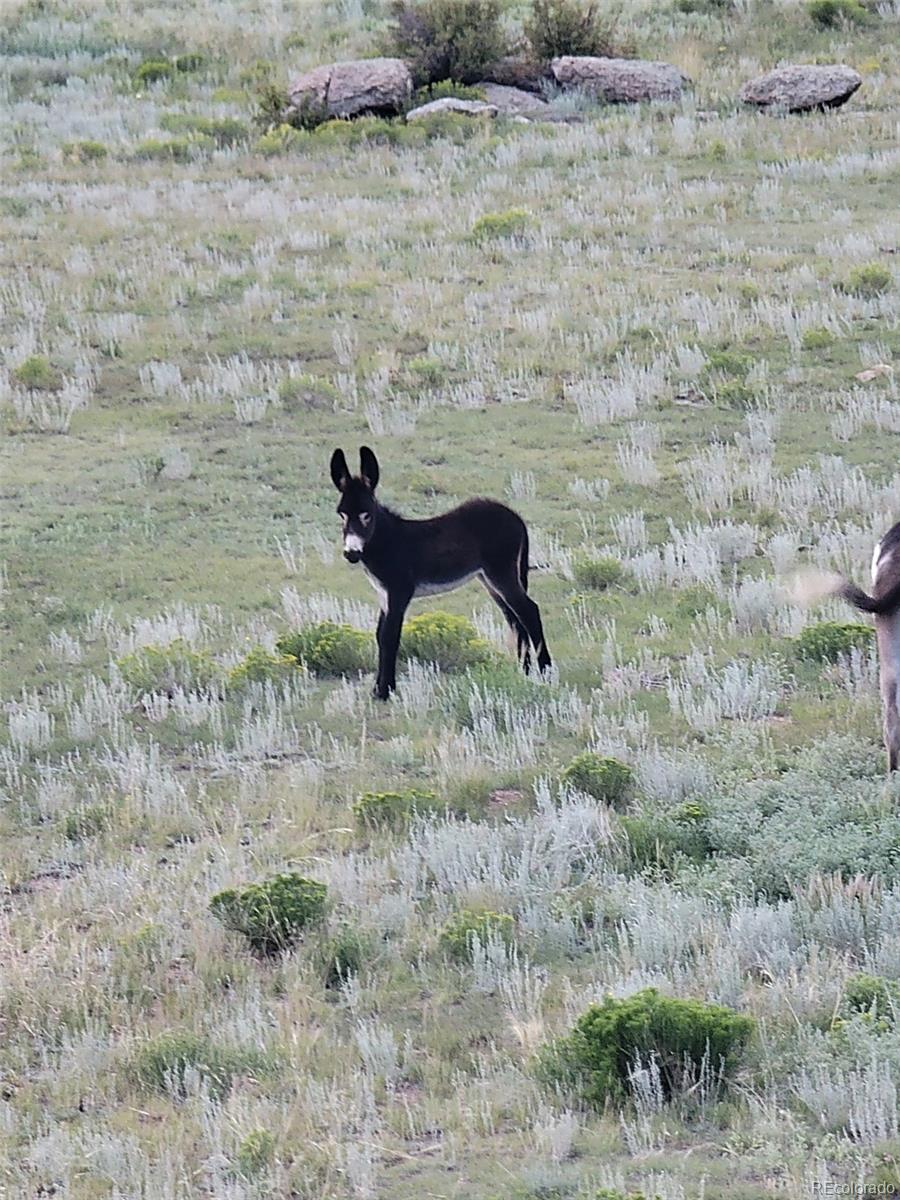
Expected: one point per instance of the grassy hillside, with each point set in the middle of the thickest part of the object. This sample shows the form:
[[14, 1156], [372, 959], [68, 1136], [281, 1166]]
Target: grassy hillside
[[652, 353]]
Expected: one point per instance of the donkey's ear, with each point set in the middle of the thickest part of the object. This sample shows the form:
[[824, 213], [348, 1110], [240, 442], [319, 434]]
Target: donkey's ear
[[340, 472], [368, 468]]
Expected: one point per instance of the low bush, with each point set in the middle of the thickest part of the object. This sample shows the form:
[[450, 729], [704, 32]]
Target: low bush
[[390, 810], [177, 149], [448, 641], [467, 927], [446, 39], [506, 224], [329, 649], [255, 1154], [826, 641], [602, 777], [84, 152], [868, 281], [224, 131], [598, 574], [86, 822], [154, 70], [872, 996], [190, 62], [611, 1039], [259, 666], [829, 13], [37, 374], [343, 955], [816, 339], [662, 841], [557, 27], [271, 915], [165, 668], [164, 1063], [280, 139], [446, 89]]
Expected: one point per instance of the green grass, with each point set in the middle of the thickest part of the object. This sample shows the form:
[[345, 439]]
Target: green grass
[[530, 312]]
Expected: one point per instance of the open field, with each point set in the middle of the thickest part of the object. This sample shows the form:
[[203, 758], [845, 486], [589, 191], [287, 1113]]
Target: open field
[[655, 363]]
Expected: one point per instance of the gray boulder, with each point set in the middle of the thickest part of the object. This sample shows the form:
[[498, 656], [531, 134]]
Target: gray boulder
[[618, 80], [802, 88], [381, 86], [514, 102], [451, 104]]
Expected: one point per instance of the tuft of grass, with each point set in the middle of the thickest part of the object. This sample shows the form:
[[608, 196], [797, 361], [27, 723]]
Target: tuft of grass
[[84, 152], [177, 149], [165, 1063], [165, 668], [255, 1154], [817, 339], [224, 131]]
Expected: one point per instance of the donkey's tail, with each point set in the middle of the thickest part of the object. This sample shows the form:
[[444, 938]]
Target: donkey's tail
[[810, 586], [523, 558]]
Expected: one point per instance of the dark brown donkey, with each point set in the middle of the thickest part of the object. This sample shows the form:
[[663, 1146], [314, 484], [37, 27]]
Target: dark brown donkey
[[406, 559]]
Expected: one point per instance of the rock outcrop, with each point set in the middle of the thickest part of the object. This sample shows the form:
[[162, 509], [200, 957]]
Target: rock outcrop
[[802, 88], [380, 86], [452, 104], [618, 80]]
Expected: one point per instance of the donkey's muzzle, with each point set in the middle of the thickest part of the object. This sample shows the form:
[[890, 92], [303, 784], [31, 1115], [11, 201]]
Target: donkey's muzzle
[[353, 556]]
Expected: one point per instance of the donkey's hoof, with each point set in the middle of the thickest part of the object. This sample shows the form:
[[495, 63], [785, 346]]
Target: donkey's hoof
[[381, 693]]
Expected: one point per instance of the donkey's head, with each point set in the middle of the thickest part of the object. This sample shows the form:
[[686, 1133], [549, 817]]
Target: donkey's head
[[358, 507]]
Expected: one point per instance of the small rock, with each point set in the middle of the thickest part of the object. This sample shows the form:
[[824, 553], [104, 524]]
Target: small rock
[[451, 104], [874, 372], [802, 88], [380, 86], [618, 80]]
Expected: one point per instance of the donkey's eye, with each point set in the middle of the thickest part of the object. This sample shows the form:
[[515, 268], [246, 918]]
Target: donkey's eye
[[365, 518]]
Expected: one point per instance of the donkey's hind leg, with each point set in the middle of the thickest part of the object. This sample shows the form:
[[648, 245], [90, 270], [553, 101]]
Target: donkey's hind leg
[[523, 652], [524, 609]]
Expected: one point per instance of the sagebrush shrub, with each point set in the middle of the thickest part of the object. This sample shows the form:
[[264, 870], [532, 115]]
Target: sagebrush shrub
[[271, 915], [598, 574], [816, 339], [826, 641], [868, 281], [328, 649], [467, 927], [600, 776], [165, 668], [558, 27], [390, 810], [450, 642], [163, 1063], [446, 39], [681, 1036]]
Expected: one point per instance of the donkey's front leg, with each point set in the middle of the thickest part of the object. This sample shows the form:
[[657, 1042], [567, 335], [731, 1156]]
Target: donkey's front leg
[[389, 626]]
